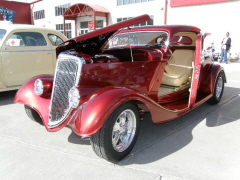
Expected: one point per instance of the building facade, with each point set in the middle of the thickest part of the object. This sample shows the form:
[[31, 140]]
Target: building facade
[[213, 16], [118, 10]]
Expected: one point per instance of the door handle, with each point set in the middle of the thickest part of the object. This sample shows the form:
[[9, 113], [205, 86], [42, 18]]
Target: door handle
[[48, 52]]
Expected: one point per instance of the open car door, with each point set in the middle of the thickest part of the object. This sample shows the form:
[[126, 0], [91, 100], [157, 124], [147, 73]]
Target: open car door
[[196, 71]]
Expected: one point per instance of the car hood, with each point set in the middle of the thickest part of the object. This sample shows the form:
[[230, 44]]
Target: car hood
[[98, 37]]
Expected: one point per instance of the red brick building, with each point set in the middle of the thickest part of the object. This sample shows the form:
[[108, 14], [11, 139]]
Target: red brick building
[[16, 12]]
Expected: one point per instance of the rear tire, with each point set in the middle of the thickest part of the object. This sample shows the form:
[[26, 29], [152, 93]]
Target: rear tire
[[33, 115], [218, 89], [116, 138]]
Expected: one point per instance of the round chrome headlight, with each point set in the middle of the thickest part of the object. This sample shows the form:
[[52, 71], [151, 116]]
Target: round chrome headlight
[[38, 87], [74, 97]]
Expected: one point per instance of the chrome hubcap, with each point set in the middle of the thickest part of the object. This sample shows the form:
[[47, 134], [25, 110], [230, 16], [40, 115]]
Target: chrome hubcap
[[124, 130], [219, 87]]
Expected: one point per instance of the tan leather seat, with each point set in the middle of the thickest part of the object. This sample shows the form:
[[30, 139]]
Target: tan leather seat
[[179, 69]]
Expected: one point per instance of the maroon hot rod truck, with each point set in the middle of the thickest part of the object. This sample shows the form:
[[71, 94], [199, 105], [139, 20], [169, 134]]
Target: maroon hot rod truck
[[107, 79]]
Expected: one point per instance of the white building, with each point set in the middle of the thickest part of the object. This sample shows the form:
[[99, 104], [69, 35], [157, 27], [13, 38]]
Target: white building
[[213, 16]]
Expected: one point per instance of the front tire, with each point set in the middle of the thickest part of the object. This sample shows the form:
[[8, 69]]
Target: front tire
[[33, 115], [218, 89], [116, 138]]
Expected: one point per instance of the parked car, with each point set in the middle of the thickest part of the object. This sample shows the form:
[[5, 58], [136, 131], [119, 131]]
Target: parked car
[[26, 51], [107, 79]]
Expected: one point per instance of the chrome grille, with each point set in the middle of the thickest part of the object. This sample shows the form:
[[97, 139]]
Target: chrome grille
[[67, 75]]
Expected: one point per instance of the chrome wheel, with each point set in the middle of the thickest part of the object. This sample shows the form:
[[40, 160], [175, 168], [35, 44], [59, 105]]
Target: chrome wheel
[[219, 87], [116, 138], [124, 130]]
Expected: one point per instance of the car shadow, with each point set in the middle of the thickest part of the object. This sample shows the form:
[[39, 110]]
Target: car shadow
[[7, 97], [157, 141], [75, 139]]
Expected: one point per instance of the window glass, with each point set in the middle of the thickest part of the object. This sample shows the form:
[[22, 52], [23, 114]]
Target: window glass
[[59, 27], [26, 39], [69, 34], [54, 39], [119, 2], [141, 38], [99, 23], [84, 24], [131, 1], [119, 19], [150, 22], [39, 14], [125, 2], [2, 33], [59, 10]]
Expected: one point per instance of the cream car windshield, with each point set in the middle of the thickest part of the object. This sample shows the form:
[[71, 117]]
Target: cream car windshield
[[2, 33], [140, 38]]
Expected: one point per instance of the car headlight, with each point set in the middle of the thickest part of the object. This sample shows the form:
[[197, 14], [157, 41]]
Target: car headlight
[[74, 97], [38, 87], [43, 87]]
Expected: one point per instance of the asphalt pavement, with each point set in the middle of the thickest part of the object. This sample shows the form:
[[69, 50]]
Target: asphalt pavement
[[202, 145]]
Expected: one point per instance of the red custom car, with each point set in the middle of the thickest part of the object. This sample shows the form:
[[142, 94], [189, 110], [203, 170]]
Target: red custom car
[[107, 79]]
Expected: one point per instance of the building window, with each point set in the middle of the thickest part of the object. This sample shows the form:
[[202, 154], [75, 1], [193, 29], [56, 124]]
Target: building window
[[60, 28], [59, 10], [89, 24], [39, 14], [119, 2], [131, 1], [146, 23], [84, 24], [99, 23], [125, 2]]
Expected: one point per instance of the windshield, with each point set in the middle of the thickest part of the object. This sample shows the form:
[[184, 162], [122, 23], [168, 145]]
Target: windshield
[[2, 33], [140, 38]]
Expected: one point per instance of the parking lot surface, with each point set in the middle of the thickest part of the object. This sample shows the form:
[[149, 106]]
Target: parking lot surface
[[203, 144]]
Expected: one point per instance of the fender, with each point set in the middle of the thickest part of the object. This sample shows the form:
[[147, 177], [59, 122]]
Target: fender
[[97, 107], [207, 85], [92, 114], [26, 95]]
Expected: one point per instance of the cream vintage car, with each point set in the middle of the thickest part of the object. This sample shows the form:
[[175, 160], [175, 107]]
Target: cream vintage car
[[26, 51]]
